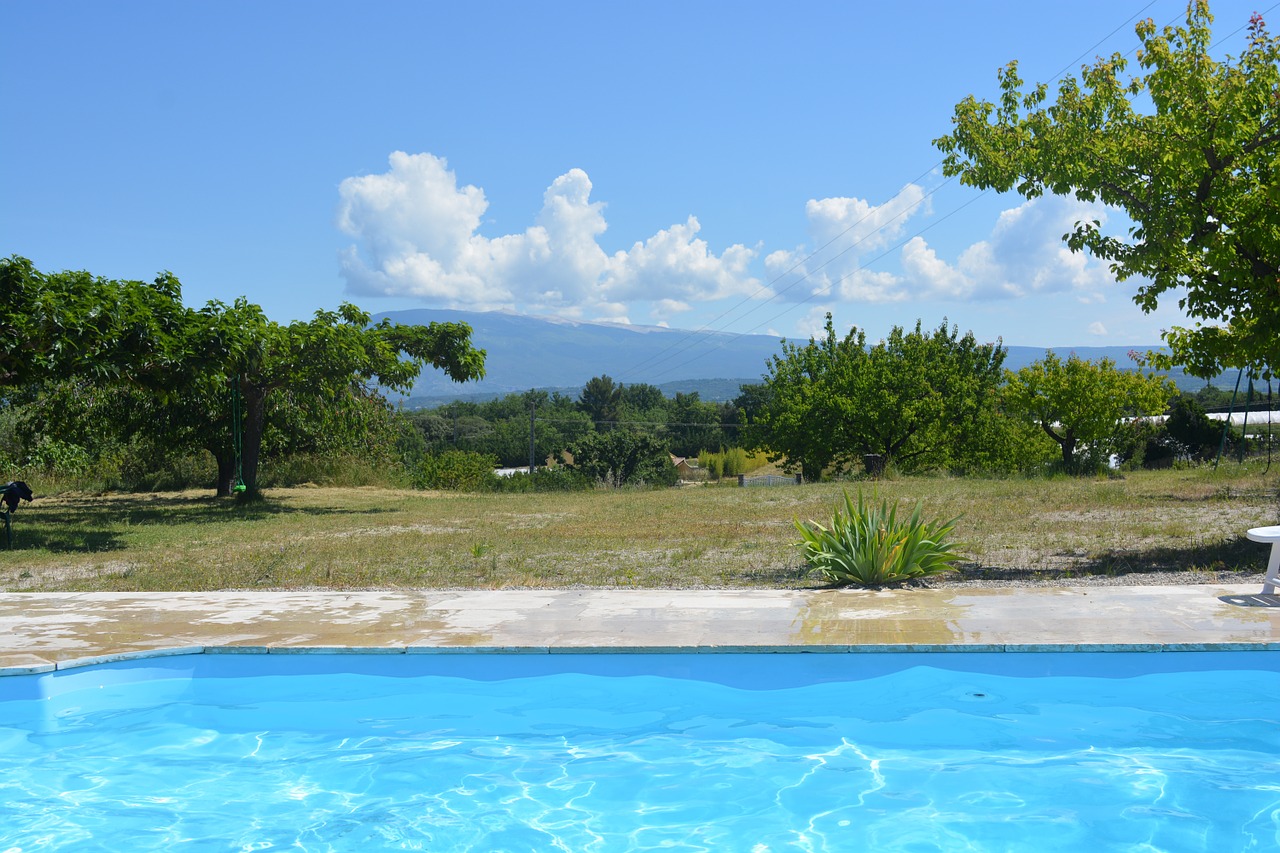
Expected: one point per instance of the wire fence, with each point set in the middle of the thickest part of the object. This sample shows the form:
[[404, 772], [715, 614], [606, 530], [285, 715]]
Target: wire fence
[[768, 480]]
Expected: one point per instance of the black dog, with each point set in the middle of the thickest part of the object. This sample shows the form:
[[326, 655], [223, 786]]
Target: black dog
[[14, 492]]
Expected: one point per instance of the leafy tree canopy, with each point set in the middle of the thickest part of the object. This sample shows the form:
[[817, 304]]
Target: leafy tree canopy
[[623, 457], [1188, 147], [601, 398], [75, 325], [329, 355], [1080, 403], [910, 398], [916, 394], [793, 413]]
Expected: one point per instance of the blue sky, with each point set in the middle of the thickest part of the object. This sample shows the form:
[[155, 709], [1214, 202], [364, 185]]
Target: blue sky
[[658, 163]]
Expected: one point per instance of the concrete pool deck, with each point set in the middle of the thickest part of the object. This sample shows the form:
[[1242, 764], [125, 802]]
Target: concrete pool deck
[[43, 631]]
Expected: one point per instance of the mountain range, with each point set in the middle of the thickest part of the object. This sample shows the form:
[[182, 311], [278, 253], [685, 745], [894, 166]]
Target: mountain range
[[525, 352]]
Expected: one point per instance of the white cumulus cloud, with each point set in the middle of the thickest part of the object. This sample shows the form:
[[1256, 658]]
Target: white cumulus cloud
[[1024, 255], [417, 235], [846, 233]]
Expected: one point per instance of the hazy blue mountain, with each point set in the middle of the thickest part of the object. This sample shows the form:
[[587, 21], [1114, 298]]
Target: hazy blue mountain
[[534, 352]]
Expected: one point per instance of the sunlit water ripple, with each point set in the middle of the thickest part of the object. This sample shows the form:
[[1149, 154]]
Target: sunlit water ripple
[[916, 758]]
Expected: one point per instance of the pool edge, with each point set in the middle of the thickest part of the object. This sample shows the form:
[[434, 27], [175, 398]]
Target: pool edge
[[868, 648]]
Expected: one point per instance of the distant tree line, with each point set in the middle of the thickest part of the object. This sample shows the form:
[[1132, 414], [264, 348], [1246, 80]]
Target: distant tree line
[[117, 383], [936, 400], [685, 424], [611, 433]]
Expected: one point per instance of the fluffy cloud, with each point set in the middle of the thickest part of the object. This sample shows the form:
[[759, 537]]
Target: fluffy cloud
[[814, 323], [844, 232], [417, 235], [675, 263], [1024, 255]]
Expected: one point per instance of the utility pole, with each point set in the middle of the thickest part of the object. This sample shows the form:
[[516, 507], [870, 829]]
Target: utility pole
[[533, 407]]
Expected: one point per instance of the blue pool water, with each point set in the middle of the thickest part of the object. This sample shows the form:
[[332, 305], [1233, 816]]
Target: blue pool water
[[718, 752]]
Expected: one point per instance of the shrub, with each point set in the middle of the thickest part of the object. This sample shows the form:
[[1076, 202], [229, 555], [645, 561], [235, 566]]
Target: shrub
[[735, 461], [712, 463], [871, 546], [1191, 427], [727, 463], [1140, 443], [338, 469], [459, 471], [544, 480], [622, 458]]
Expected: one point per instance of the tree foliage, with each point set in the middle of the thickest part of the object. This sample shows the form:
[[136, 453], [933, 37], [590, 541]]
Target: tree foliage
[[1190, 427], [333, 354], [793, 412], [1081, 404], [917, 394], [601, 400], [910, 399], [623, 457], [1187, 147], [73, 324], [501, 427], [76, 326]]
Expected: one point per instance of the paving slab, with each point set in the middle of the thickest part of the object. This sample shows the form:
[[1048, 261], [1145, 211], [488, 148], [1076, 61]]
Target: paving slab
[[39, 630]]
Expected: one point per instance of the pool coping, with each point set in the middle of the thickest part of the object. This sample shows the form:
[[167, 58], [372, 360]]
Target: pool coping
[[48, 632], [886, 648]]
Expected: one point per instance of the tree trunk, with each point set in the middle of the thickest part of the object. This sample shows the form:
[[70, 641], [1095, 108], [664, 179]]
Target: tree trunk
[[226, 460], [1066, 442], [1069, 454], [254, 400]]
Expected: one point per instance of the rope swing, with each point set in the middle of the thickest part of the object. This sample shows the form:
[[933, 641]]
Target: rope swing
[[237, 435]]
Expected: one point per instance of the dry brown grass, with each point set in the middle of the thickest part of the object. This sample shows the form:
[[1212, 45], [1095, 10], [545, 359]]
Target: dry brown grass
[[1186, 521]]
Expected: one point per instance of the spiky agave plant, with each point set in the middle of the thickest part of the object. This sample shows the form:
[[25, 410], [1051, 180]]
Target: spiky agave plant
[[870, 546]]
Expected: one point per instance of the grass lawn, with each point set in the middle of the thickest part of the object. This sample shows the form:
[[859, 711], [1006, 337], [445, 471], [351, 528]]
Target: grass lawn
[[695, 537]]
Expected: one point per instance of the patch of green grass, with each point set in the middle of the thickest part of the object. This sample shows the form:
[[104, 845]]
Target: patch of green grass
[[693, 537]]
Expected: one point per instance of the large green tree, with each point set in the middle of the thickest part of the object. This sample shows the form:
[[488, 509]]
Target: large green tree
[[916, 395], [330, 355], [601, 398], [911, 399], [694, 425], [1080, 404], [1188, 147], [74, 325], [794, 414]]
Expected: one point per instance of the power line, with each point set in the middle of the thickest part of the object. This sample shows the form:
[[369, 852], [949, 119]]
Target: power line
[[688, 341], [746, 299], [826, 290], [640, 423], [675, 348]]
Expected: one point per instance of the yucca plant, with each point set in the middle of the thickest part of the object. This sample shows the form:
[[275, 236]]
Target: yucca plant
[[870, 546]]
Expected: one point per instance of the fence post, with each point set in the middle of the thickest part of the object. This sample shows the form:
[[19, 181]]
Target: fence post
[[742, 479], [799, 479]]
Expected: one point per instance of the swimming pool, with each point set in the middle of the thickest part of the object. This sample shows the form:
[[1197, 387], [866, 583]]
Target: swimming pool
[[761, 752]]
